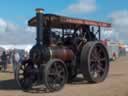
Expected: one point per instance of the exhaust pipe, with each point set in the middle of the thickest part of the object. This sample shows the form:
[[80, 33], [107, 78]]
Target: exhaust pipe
[[40, 29]]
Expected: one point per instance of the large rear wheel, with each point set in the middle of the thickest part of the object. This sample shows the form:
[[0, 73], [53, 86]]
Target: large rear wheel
[[94, 62]]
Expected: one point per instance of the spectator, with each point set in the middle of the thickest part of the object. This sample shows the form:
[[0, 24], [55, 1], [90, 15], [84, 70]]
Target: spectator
[[26, 55], [11, 57], [16, 59], [4, 61], [8, 57]]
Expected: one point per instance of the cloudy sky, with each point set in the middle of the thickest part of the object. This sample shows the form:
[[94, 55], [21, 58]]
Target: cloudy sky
[[15, 13]]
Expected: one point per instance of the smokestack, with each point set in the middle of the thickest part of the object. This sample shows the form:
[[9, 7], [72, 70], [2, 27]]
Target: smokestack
[[39, 17]]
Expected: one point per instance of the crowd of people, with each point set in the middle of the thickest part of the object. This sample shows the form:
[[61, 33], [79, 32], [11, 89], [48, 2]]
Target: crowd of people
[[13, 57]]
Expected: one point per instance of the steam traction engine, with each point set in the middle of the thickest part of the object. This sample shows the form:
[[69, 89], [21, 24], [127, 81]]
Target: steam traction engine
[[65, 47]]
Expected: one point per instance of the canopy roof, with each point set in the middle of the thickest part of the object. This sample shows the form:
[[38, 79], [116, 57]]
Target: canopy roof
[[59, 21]]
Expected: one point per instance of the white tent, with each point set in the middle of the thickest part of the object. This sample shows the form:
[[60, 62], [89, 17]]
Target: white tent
[[24, 47]]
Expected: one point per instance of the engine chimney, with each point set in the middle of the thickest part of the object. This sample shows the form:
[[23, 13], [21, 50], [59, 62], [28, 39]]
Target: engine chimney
[[40, 29]]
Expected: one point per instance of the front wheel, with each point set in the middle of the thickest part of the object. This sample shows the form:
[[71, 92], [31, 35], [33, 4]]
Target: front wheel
[[26, 75], [55, 75]]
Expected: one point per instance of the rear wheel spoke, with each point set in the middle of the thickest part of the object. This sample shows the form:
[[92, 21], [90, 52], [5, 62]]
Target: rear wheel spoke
[[102, 59], [100, 68]]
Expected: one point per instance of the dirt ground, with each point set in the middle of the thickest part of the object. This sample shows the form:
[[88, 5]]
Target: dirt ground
[[116, 84]]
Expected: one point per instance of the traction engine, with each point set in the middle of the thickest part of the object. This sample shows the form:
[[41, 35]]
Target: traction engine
[[65, 47]]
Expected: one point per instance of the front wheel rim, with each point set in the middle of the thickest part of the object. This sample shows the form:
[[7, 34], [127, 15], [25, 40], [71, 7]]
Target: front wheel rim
[[56, 76], [24, 78]]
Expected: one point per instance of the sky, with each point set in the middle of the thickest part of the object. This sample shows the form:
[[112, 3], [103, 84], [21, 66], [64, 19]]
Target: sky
[[14, 15]]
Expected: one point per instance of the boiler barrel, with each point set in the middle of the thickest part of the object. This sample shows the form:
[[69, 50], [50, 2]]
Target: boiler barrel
[[64, 54]]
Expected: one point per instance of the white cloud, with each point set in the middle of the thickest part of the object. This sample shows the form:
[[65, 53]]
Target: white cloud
[[11, 33], [30, 29], [81, 7], [120, 25], [3, 25], [120, 18]]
